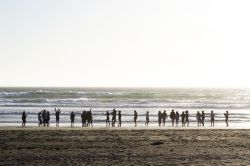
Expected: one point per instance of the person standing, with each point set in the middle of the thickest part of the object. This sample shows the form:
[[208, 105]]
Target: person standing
[[91, 117], [159, 118], [226, 118], [47, 118], [164, 117], [202, 118], [135, 117], [172, 116], [147, 119], [88, 117], [177, 116], [57, 116], [119, 118], [212, 116], [24, 116], [183, 118], [107, 119], [72, 118], [198, 117], [44, 116], [187, 118], [83, 116], [113, 117], [40, 122]]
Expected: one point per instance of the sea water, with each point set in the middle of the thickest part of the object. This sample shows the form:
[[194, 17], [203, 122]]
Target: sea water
[[15, 100]]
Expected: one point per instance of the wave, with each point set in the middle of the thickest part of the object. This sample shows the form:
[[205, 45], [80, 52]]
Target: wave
[[42, 91], [123, 105], [141, 98], [70, 100], [6, 100], [12, 93]]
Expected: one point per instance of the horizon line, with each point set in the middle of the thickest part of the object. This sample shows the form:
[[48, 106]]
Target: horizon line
[[128, 87]]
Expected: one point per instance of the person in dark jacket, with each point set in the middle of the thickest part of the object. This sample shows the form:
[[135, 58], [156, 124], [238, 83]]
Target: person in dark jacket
[[72, 118], [24, 116], [172, 116], [135, 117]]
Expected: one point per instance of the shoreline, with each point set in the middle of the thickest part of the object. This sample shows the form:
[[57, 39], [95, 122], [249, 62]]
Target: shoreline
[[117, 128]]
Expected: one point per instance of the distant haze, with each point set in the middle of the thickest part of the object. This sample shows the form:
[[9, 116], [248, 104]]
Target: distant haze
[[125, 43]]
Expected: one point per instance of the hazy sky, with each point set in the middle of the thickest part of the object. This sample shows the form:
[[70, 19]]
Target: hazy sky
[[184, 43]]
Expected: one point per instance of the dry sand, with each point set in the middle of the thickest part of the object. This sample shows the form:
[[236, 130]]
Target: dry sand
[[77, 146]]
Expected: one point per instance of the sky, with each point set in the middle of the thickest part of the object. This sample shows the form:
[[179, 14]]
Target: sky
[[125, 43]]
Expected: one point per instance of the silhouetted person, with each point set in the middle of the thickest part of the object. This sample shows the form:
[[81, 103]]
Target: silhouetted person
[[40, 121], [198, 117], [135, 117], [187, 118], [159, 118], [91, 117], [147, 119], [177, 116], [24, 118], [47, 118], [44, 116], [57, 116], [202, 118], [72, 118], [226, 118], [212, 115], [83, 116], [88, 118], [119, 119], [164, 117], [172, 117], [183, 116], [107, 119], [113, 117]]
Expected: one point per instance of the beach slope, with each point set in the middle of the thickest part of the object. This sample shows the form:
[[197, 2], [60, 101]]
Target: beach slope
[[65, 146]]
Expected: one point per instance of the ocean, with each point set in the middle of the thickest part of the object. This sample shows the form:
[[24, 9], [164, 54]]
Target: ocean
[[15, 100]]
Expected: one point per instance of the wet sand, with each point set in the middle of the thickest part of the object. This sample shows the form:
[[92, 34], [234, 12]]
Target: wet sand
[[91, 146]]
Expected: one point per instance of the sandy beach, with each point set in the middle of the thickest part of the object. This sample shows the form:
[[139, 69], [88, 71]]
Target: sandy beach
[[102, 146]]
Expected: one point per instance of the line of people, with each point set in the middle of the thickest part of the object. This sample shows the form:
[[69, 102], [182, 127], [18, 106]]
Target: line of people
[[44, 117], [113, 120], [162, 116], [200, 117], [87, 118]]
